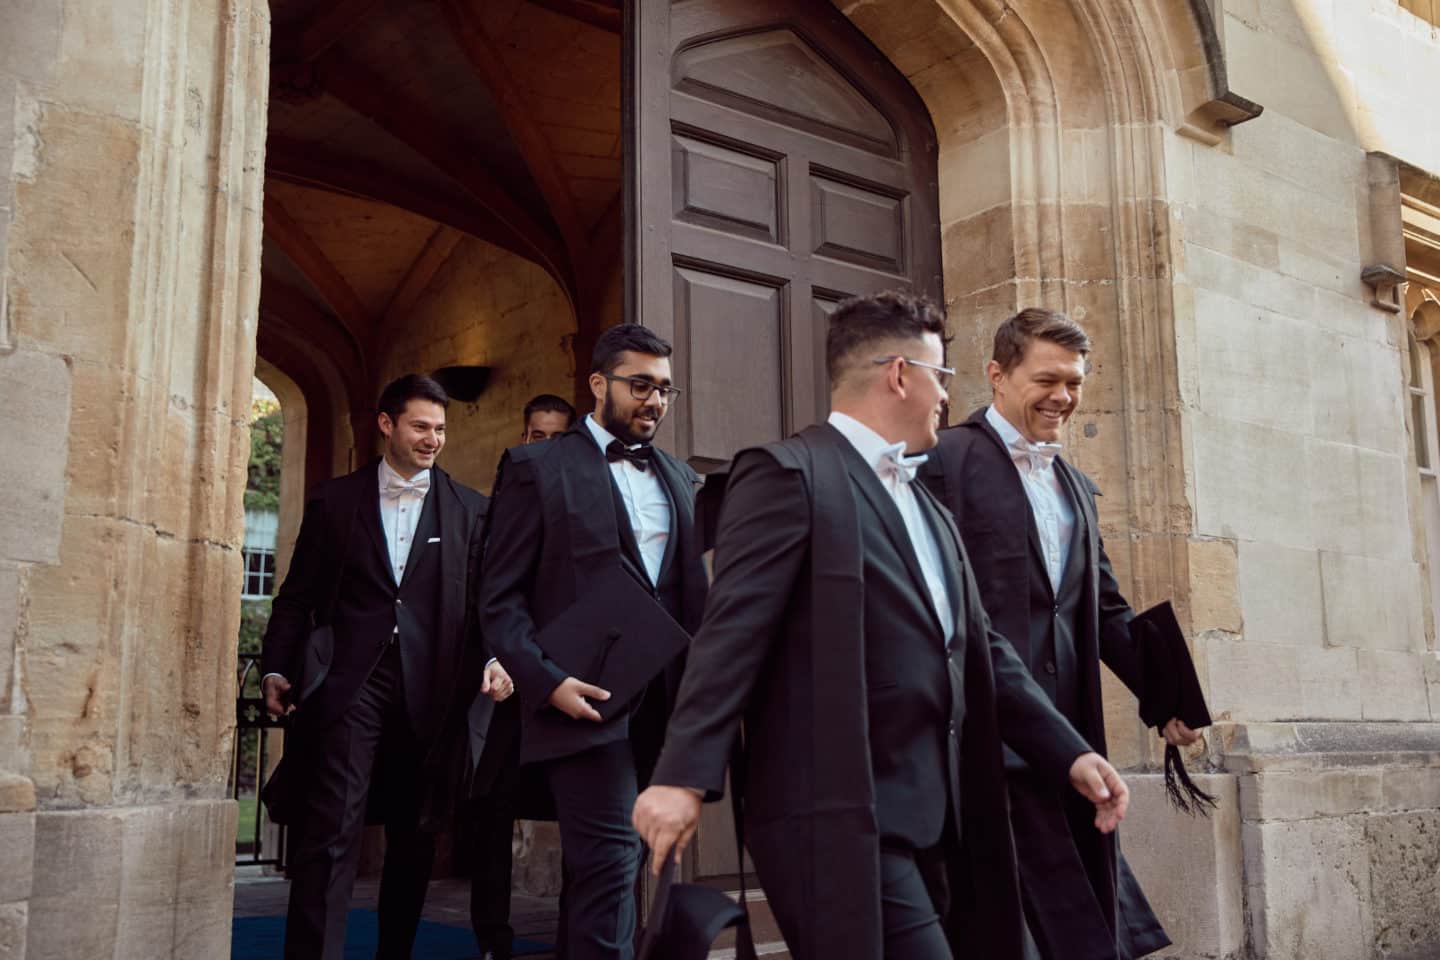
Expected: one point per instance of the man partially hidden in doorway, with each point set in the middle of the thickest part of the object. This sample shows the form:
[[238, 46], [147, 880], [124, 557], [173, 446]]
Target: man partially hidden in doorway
[[546, 416], [1028, 520], [498, 792], [597, 505], [380, 566], [844, 626]]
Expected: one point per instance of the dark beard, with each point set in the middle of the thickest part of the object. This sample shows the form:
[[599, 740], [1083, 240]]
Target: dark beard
[[610, 419]]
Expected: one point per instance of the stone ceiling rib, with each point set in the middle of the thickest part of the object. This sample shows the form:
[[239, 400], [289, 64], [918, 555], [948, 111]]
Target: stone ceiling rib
[[412, 124], [295, 243], [303, 43], [598, 13]]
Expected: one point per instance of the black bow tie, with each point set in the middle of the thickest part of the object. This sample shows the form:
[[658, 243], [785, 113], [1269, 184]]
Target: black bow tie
[[639, 455]]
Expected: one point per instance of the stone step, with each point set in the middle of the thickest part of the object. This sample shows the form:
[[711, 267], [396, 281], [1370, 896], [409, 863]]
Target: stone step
[[763, 928]]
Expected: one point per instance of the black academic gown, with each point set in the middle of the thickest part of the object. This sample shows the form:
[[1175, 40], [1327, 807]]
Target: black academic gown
[[860, 728], [557, 519], [1081, 891], [340, 574]]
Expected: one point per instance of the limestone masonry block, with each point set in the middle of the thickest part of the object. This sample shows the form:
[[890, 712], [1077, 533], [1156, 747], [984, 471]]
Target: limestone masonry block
[[17, 853], [1309, 794], [1405, 884], [1372, 604], [1187, 866], [1308, 889], [1215, 586], [35, 394], [1280, 594], [13, 922]]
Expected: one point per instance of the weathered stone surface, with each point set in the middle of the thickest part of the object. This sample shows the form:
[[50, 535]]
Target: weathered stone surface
[[13, 927], [17, 793], [1405, 884], [17, 853], [1281, 597], [1306, 795], [1187, 866], [1308, 889], [35, 393]]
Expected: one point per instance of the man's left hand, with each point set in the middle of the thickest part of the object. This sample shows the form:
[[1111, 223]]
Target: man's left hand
[[665, 818], [1096, 780], [1179, 735], [498, 685]]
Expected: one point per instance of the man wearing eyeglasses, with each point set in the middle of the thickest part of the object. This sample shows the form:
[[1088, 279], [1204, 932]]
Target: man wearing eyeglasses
[[845, 628], [598, 495]]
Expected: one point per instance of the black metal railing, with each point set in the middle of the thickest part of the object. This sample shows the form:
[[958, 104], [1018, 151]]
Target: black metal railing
[[253, 728]]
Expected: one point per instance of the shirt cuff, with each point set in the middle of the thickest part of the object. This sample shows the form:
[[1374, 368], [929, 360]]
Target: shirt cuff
[[269, 675]]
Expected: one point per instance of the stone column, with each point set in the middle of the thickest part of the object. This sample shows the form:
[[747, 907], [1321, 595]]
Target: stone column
[[131, 165]]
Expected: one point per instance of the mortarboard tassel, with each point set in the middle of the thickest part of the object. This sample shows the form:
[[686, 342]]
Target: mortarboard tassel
[[1184, 795]]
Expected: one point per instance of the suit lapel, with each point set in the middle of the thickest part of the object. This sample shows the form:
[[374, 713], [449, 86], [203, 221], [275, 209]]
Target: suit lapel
[[874, 492], [682, 503], [591, 500], [370, 519], [428, 525], [454, 525], [625, 527], [948, 537], [1012, 477]]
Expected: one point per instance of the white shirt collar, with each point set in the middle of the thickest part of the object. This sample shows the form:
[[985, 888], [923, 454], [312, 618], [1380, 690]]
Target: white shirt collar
[[870, 445], [599, 433], [1008, 434], [387, 471]]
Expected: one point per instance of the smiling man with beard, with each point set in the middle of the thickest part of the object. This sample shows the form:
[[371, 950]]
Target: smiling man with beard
[[598, 500], [1029, 523]]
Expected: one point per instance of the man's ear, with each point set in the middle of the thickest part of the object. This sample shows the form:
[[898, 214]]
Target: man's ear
[[387, 426], [994, 374], [597, 386]]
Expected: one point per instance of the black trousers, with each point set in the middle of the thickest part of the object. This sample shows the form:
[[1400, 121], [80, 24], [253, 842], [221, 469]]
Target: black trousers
[[594, 795], [493, 829], [323, 867], [913, 893]]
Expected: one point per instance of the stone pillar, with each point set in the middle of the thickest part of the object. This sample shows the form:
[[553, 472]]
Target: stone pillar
[[131, 165]]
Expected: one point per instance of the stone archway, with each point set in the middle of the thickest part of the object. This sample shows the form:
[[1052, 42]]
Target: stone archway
[[1052, 122]]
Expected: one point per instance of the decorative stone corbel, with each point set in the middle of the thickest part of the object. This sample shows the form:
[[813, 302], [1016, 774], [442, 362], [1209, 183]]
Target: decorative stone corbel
[[1385, 251], [1210, 106], [1384, 282]]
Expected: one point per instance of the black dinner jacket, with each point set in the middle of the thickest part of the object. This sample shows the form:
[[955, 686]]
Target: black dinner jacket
[[557, 516], [340, 574], [972, 474], [860, 728]]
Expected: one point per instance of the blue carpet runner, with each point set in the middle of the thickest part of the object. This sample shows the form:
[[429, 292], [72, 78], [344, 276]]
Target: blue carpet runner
[[263, 938]]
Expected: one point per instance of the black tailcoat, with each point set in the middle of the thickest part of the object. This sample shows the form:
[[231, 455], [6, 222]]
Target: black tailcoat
[[860, 727], [556, 519], [1088, 899], [340, 574]]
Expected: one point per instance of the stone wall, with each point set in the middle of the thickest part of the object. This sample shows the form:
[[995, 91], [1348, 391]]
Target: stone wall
[[487, 307], [130, 138]]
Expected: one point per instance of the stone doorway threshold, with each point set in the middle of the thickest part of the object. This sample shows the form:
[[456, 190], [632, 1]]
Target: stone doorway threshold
[[259, 893]]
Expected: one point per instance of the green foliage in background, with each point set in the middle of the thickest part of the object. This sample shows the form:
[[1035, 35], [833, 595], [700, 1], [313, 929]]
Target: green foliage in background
[[262, 488]]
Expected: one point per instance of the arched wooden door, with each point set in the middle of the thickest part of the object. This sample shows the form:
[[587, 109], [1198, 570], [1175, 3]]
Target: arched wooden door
[[776, 164]]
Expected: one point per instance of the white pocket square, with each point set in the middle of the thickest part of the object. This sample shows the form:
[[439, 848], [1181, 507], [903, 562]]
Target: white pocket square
[[433, 540]]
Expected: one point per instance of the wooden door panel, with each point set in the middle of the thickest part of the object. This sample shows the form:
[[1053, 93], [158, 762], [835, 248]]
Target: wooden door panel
[[729, 331], [775, 164]]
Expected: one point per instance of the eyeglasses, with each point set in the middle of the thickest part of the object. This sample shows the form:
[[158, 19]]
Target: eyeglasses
[[943, 375], [641, 389]]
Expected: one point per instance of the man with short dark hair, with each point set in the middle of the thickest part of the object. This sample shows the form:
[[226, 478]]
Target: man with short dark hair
[[845, 629], [546, 416], [1029, 524], [495, 784], [380, 566], [598, 498]]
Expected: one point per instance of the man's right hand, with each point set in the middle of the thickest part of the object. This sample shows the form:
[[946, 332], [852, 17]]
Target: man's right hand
[[569, 699], [1096, 780], [275, 687]]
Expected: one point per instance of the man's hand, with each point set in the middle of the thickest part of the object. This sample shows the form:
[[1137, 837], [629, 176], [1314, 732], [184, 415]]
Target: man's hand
[[1097, 781], [275, 687], [1179, 735], [665, 818], [569, 699], [497, 685]]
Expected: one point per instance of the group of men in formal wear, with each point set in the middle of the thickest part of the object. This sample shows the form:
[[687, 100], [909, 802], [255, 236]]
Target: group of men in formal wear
[[897, 654]]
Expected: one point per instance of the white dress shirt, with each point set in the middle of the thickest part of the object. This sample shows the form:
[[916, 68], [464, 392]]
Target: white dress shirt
[[882, 457], [1054, 516], [645, 501], [400, 513]]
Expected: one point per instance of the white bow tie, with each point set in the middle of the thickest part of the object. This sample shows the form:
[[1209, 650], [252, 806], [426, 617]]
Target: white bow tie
[[395, 487], [1039, 456], [894, 463]]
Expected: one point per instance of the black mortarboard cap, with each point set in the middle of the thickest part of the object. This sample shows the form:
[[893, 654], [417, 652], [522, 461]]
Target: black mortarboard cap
[[685, 919], [1171, 689], [616, 636]]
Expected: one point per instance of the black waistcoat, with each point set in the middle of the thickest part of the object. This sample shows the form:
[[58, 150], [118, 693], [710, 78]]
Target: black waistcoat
[[1055, 623]]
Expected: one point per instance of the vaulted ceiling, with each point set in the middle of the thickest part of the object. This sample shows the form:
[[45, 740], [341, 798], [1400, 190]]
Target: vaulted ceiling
[[398, 128]]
